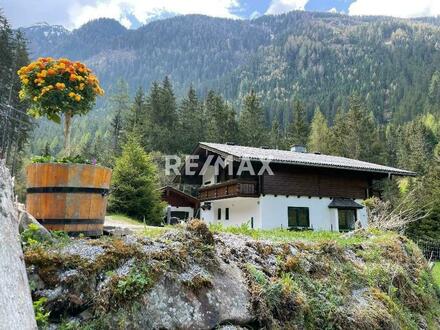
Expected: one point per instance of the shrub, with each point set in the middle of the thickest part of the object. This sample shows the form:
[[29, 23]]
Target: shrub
[[41, 316], [135, 185]]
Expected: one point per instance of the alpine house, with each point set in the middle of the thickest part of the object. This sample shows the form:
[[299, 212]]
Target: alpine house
[[270, 188]]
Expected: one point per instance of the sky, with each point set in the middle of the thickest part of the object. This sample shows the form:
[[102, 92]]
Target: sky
[[133, 13]]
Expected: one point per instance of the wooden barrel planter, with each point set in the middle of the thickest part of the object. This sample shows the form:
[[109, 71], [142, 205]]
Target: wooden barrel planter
[[68, 197]]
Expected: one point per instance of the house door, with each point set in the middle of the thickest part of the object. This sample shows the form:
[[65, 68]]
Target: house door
[[347, 219]]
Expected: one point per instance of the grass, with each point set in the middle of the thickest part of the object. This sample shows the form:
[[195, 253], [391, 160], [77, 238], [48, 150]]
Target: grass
[[124, 218], [436, 273], [148, 231], [154, 232], [284, 235]]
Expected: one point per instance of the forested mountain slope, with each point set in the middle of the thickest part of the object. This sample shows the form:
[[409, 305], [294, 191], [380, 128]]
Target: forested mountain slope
[[319, 57]]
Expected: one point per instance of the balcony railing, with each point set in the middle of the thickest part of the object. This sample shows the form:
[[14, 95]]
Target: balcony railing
[[228, 189]]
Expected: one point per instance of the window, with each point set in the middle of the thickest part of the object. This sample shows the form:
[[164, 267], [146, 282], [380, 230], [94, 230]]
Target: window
[[347, 219], [227, 213], [182, 215], [298, 217], [219, 214]]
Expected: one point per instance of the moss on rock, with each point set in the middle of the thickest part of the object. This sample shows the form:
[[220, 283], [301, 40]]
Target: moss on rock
[[184, 278]]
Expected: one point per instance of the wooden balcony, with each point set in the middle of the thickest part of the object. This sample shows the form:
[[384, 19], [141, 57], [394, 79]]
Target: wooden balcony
[[229, 189]]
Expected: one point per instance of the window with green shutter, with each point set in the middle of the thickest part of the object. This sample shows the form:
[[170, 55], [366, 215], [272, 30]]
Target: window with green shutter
[[298, 217]]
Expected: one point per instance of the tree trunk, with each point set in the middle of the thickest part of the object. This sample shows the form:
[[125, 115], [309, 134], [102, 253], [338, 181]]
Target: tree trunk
[[67, 126], [16, 310]]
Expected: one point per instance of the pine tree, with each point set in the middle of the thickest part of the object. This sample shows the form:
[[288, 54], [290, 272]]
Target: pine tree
[[251, 123], [229, 129], [298, 131], [319, 134], [427, 195], [192, 121], [214, 116], [221, 120], [15, 125], [135, 184], [137, 116], [162, 118], [415, 147], [276, 137], [120, 106], [356, 134]]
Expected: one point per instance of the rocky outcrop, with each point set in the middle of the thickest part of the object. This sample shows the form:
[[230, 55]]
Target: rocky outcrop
[[191, 278], [27, 221], [16, 310]]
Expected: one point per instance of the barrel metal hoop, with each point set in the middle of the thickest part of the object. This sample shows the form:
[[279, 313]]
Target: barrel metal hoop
[[71, 221], [67, 190]]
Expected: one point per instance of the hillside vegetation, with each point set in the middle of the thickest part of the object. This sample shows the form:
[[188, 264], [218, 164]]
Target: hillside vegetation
[[366, 280], [321, 58]]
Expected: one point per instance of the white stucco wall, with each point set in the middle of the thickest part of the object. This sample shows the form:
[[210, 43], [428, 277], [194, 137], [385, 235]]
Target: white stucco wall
[[207, 215], [241, 210], [362, 214], [209, 175], [272, 212]]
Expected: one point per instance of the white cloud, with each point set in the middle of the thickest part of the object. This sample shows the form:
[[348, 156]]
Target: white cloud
[[333, 10], [283, 6], [143, 10], [398, 8]]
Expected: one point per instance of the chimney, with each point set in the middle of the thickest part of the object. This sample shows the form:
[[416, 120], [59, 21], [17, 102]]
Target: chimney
[[298, 148]]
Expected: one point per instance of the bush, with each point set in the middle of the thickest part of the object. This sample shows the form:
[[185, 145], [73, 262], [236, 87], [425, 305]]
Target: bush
[[41, 315], [63, 160], [135, 185]]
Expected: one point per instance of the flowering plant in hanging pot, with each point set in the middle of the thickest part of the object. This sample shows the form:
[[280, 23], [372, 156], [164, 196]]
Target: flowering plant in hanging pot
[[64, 195]]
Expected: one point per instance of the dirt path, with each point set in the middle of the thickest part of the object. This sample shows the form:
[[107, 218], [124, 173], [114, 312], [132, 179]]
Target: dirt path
[[121, 223]]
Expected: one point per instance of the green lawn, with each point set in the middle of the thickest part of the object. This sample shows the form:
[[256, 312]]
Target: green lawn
[[436, 273], [283, 235], [124, 218], [125, 221]]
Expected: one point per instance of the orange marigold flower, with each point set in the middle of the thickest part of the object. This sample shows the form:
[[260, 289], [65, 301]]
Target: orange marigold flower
[[51, 72], [78, 98], [72, 94], [60, 85]]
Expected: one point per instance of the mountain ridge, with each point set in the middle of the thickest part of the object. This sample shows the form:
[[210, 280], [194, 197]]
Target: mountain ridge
[[321, 58]]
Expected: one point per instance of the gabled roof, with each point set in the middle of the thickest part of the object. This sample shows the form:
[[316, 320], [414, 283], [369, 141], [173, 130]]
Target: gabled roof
[[300, 158], [179, 192]]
